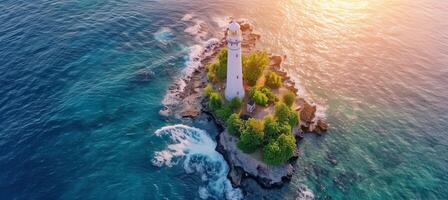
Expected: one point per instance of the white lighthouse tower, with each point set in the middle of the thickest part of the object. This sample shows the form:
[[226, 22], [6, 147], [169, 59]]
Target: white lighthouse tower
[[234, 84]]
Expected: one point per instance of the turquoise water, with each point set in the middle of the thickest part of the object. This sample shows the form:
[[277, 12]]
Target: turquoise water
[[82, 84]]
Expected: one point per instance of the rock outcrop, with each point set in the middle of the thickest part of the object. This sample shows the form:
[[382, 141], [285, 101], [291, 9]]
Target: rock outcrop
[[189, 102]]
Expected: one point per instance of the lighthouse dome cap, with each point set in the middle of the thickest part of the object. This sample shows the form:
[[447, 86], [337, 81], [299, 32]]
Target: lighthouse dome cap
[[233, 26]]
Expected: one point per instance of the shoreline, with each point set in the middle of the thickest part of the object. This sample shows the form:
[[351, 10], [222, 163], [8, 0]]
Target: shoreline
[[189, 102]]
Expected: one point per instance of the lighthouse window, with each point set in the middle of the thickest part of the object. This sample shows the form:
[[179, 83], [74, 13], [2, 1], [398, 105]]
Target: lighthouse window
[[237, 55], [237, 77]]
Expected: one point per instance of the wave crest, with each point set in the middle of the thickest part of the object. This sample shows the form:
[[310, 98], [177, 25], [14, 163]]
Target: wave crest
[[196, 149]]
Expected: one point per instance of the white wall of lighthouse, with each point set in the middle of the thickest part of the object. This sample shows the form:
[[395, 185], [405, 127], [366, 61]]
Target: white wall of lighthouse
[[234, 83]]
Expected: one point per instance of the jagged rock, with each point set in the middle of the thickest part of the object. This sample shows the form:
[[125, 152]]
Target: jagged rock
[[245, 25], [321, 125], [307, 113], [276, 61]]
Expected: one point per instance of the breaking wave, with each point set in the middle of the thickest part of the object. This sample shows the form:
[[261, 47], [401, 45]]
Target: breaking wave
[[195, 150]]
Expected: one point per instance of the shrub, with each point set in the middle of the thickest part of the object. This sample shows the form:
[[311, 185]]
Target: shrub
[[215, 101], [236, 104], [253, 66], [224, 112], [273, 80], [217, 72], [293, 118], [234, 124], [272, 153], [280, 150], [208, 90], [271, 129], [282, 113], [284, 129], [287, 144], [252, 136], [271, 96], [260, 98], [285, 115], [289, 98]]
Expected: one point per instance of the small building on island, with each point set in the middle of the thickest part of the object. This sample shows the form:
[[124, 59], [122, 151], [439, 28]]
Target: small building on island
[[250, 106]]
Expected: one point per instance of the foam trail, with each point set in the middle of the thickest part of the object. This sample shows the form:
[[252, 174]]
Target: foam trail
[[305, 193], [195, 57], [196, 150]]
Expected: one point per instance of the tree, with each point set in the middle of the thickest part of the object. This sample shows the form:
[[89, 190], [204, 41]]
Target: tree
[[211, 68], [224, 112], [280, 150], [282, 112], [273, 80], [234, 124], [271, 96], [236, 103], [208, 90], [289, 98], [253, 66], [215, 101], [271, 129], [221, 68], [217, 72], [272, 153], [293, 118], [285, 115], [260, 98], [284, 129], [252, 136], [221, 71], [287, 144]]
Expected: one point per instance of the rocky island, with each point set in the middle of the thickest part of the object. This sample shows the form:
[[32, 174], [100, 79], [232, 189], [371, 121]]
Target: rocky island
[[264, 108]]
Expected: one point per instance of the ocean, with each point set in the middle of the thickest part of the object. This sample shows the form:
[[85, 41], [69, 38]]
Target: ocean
[[82, 83]]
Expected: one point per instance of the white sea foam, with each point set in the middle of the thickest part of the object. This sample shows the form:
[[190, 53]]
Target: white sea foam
[[222, 22], [196, 150], [195, 57], [164, 35], [301, 92], [305, 193], [187, 17]]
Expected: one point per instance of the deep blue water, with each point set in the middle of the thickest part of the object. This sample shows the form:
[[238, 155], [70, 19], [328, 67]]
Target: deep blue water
[[81, 84]]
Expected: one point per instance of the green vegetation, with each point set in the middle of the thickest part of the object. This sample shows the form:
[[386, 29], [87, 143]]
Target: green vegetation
[[224, 112], [236, 104], [215, 101], [273, 80], [253, 66], [285, 115], [273, 134], [271, 128], [262, 96], [234, 124], [217, 72], [208, 90], [279, 150], [252, 136], [289, 98]]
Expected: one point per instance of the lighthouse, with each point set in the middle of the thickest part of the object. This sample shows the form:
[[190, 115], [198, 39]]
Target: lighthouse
[[234, 84]]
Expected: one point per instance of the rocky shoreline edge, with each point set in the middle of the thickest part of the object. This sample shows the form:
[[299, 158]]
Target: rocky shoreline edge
[[185, 99]]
